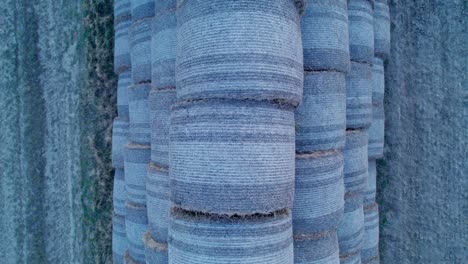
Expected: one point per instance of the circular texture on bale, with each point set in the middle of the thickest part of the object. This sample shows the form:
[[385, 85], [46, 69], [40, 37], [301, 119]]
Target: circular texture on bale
[[382, 29], [321, 249], [361, 30], [359, 96], [139, 127], [232, 157], [158, 201], [142, 9], [122, 60], [120, 129], [155, 252], [119, 239], [160, 116], [137, 158], [119, 194], [321, 117], [351, 230], [211, 239], [136, 224], [163, 51], [369, 193], [377, 132], [370, 248], [325, 36], [163, 6], [319, 192], [356, 161], [125, 80], [239, 49], [140, 50]]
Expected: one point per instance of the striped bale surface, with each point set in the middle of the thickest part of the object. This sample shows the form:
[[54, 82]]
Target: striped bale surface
[[139, 127], [319, 249], [361, 30], [378, 80], [125, 79], [140, 50], [212, 239], [162, 6], [370, 248], [119, 193], [351, 230], [370, 192], [351, 259], [325, 36], [158, 201], [356, 161], [321, 117], [137, 158], [120, 129], [377, 132], [142, 9], [239, 49], [318, 201], [232, 157], [163, 50], [160, 117], [122, 22], [382, 29], [359, 96], [136, 224], [156, 253], [119, 239]]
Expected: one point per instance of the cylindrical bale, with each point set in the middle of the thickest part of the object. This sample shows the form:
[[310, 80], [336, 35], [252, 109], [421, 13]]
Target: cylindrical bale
[[158, 201], [139, 123], [378, 81], [356, 161], [351, 230], [319, 192], [239, 49], [370, 247], [213, 239], [382, 29], [142, 9], [377, 132], [130, 260], [361, 30], [162, 6], [321, 117], [160, 114], [122, 11], [320, 249], [137, 158], [232, 157], [369, 193], [325, 35], [119, 239], [351, 259], [122, 58], [140, 50], [163, 50], [156, 252], [119, 194], [136, 224], [359, 96], [120, 129], [125, 80]]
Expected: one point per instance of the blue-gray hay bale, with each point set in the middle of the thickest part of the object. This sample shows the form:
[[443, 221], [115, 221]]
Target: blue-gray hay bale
[[319, 192], [137, 158], [351, 259], [370, 247], [125, 80], [156, 252], [160, 111], [320, 249], [382, 29], [142, 9], [361, 30], [378, 81], [232, 157], [120, 130], [214, 239], [119, 238], [122, 11], [325, 36], [122, 58], [119, 194], [162, 6], [351, 230], [163, 50], [136, 224], [369, 193], [140, 50], [239, 49], [359, 96], [129, 260], [158, 201], [356, 161], [321, 117], [139, 127], [377, 132]]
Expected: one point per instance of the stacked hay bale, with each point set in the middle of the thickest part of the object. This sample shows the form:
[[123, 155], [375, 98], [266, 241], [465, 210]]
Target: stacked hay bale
[[137, 152], [358, 120], [162, 96], [370, 250], [320, 133], [239, 77], [122, 66]]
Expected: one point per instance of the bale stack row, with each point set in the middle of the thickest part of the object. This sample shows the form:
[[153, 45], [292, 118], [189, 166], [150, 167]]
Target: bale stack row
[[370, 250], [137, 152], [122, 67], [239, 77], [321, 132], [358, 120]]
